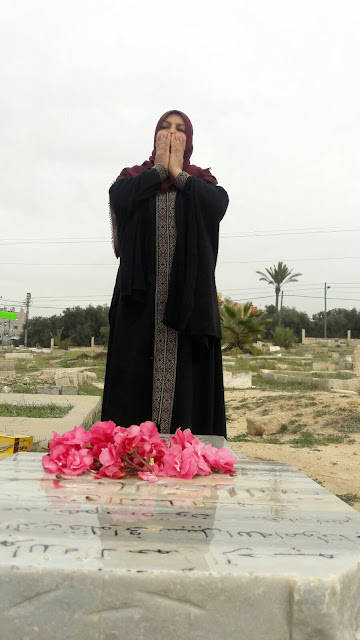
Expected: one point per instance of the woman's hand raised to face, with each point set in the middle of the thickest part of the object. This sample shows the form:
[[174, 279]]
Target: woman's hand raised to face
[[163, 148], [177, 155]]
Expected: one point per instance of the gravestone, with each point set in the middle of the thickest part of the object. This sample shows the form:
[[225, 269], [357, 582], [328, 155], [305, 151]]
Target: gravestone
[[356, 361], [7, 365], [82, 411], [265, 555], [7, 375], [70, 390], [19, 356], [48, 390], [323, 366], [237, 379]]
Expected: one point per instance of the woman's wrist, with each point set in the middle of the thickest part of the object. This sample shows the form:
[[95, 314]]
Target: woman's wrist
[[162, 170], [175, 172], [181, 179]]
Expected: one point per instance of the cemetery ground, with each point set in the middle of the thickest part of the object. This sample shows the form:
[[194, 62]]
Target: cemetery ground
[[319, 432]]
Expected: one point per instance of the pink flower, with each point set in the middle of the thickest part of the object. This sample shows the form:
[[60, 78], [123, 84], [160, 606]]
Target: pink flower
[[78, 436], [67, 460], [189, 463], [49, 465], [149, 431], [178, 463], [199, 449], [112, 466], [128, 439], [101, 434], [221, 459], [150, 440], [161, 449], [112, 451], [147, 476], [182, 437]]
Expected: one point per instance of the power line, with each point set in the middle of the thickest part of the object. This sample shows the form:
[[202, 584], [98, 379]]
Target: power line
[[93, 297], [114, 264], [250, 234], [297, 229], [267, 260], [52, 238], [322, 297], [60, 308], [98, 297], [74, 241], [293, 292], [60, 264], [230, 234]]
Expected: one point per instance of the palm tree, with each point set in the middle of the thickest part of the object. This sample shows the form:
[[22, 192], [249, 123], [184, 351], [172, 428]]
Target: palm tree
[[57, 337], [241, 326], [278, 276]]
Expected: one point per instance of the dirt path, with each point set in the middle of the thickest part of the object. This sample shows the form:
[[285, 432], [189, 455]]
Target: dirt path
[[336, 466]]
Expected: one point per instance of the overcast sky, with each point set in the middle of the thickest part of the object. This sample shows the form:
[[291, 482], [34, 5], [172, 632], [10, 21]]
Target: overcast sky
[[273, 90]]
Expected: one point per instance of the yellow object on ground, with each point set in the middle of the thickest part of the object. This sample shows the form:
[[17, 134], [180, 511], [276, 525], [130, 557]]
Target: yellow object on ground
[[13, 442]]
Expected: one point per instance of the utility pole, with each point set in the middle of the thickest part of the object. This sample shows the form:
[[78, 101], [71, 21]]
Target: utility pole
[[325, 318], [27, 302], [281, 306]]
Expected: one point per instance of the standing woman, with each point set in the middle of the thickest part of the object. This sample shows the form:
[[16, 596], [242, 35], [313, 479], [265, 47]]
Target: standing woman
[[164, 356]]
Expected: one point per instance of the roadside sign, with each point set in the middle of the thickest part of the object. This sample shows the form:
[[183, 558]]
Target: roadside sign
[[8, 314]]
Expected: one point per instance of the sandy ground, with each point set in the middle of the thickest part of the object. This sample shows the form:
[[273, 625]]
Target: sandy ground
[[335, 466]]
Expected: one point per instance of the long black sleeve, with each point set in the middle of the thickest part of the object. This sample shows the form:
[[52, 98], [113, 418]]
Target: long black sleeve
[[213, 200], [192, 306], [127, 191]]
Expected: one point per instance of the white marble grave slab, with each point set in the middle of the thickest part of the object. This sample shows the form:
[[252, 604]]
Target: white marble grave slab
[[265, 555]]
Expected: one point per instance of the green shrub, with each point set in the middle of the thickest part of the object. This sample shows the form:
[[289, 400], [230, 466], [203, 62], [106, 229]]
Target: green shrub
[[284, 337]]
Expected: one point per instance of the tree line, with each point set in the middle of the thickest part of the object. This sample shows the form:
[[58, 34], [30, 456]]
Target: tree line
[[339, 321], [74, 327], [241, 324]]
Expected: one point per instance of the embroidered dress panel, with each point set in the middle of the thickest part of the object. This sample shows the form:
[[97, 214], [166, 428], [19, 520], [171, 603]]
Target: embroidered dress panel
[[165, 339]]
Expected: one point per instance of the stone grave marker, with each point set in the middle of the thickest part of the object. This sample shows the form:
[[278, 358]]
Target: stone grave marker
[[356, 361], [18, 355], [265, 555], [237, 379]]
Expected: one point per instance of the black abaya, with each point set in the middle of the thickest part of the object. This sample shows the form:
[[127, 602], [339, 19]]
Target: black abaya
[[192, 396]]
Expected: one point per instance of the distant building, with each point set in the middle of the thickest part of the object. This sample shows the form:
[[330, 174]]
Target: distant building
[[236, 304], [242, 306], [10, 330]]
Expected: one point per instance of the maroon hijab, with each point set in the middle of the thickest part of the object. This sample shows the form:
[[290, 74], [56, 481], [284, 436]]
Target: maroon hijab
[[192, 169]]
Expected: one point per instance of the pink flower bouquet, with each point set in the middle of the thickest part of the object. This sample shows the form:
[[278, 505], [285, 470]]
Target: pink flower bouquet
[[113, 452]]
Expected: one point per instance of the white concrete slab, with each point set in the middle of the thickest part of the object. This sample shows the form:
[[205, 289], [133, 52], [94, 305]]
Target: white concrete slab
[[18, 356], [268, 554], [84, 408], [237, 379]]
